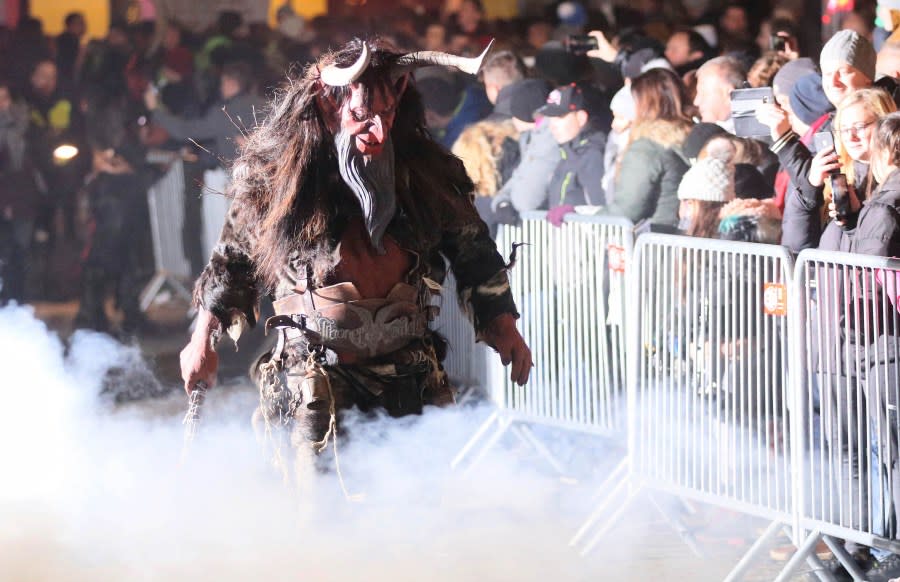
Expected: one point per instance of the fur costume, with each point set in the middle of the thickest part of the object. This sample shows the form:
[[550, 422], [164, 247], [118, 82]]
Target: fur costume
[[287, 235]]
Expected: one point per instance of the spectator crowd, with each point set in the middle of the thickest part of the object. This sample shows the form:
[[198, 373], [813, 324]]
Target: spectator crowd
[[637, 111]]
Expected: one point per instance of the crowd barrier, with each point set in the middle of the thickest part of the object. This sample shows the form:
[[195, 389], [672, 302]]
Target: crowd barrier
[[569, 285], [707, 400], [165, 200], [754, 384], [847, 383], [466, 362]]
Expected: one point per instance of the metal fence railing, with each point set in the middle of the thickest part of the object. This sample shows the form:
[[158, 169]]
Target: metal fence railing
[[569, 285], [165, 200], [847, 331], [707, 400], [754, 384]]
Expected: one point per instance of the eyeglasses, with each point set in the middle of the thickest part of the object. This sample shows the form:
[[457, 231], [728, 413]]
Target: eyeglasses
[[854, 130]]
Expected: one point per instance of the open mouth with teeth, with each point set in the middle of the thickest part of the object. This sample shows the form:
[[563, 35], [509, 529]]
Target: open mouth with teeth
[[368, 147]]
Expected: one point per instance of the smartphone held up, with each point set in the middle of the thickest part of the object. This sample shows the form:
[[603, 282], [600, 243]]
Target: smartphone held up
[[580, 44]]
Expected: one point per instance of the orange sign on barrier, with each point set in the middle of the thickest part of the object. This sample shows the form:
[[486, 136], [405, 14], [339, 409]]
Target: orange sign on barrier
[[775, 299], [616, 258]]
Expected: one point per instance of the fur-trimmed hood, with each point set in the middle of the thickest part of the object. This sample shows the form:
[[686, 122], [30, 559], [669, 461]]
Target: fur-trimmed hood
[[668, 134], [750, 220]]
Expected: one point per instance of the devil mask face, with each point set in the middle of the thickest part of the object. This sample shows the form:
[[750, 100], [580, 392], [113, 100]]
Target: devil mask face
[[367, 117]]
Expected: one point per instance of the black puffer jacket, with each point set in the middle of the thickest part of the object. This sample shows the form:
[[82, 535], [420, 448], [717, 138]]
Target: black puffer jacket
[[877, 226]]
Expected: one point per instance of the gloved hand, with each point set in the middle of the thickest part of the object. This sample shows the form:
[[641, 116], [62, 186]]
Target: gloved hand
[[556, 215]]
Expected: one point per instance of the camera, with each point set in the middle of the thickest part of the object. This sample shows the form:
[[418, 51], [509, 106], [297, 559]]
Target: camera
[[777, 43], [581, 43]]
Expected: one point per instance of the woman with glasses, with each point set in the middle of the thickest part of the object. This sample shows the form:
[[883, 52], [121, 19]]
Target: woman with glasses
[[854, 124]]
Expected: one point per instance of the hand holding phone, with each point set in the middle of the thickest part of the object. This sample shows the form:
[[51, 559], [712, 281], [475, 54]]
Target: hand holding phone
[[824, 163], [823, 140]]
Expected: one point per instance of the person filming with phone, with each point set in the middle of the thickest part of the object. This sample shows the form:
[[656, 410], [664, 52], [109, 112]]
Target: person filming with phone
[[840, 174], [868, 225]]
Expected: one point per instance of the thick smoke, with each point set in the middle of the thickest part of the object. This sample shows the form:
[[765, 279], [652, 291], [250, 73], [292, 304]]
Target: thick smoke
[[93, 491]]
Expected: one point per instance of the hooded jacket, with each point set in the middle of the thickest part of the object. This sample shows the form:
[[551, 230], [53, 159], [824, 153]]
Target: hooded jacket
[[651, 170]]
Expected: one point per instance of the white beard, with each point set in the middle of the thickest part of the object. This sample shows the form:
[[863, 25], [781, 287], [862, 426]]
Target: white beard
[[372, 181]]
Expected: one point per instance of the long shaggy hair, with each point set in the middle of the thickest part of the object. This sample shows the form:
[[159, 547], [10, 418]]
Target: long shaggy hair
[[285, 181]]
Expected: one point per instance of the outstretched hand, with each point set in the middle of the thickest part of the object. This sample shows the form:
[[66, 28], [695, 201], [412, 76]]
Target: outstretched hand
[[502, 335]]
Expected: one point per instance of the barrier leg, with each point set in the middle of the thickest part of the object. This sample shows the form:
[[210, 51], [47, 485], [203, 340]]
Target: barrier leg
[[812, 560], [470, 444], [753, 553], [804, 550], [179, 288], [524, 433], [592, 543], [466, 393], [151, 290], [676, 524], [847, 561], [618, 474]]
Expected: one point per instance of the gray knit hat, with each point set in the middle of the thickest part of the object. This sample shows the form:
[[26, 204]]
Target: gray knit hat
[[709, 179], [848, 47]]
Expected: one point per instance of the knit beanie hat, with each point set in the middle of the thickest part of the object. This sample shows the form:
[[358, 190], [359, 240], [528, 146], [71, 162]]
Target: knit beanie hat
[[808, 99], [622, 103], [790, 73], [709, 179], [847, 46]]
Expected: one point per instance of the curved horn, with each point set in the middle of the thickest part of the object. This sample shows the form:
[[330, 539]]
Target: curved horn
[[336, 76], [470, 65]]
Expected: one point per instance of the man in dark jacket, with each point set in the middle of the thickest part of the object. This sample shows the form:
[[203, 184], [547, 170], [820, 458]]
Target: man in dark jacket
[[573, 116]]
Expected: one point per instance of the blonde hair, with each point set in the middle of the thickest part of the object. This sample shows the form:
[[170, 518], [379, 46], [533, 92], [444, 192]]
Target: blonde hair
[[480, 147], [878, 103]]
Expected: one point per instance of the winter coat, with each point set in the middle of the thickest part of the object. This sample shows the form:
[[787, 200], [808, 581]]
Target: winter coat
[[527, 187], [651, 170], [578, 177], [750, 220]]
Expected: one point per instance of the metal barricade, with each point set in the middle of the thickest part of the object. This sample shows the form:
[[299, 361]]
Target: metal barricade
[[464, 363], [165, 200], [707, 404], [847, 331], [569, 285]]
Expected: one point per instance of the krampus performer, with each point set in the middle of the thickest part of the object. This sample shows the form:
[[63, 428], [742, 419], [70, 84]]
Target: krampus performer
[[343, 211]]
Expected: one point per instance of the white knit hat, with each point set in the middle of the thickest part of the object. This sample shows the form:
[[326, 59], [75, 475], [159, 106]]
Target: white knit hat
[[709, 179]]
